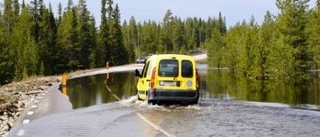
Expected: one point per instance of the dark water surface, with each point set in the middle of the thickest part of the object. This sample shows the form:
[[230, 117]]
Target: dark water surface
[[221, 85], [215, 85], [98, 89]]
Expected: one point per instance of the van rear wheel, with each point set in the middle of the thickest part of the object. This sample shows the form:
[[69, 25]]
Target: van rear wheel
[[152, 102], [193, 102], [197, 99]]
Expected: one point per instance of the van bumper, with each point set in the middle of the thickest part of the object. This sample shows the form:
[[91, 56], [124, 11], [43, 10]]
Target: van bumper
[[173, 95]]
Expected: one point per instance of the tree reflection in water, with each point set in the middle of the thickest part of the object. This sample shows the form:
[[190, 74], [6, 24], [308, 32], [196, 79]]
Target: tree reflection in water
[[222, 85], [92, 90]]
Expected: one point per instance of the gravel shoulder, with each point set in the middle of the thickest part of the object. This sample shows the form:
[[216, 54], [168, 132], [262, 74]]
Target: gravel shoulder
[[17, 96]]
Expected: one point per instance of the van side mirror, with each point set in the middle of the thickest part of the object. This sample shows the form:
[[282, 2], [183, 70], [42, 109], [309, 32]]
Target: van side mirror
[[137, 73]]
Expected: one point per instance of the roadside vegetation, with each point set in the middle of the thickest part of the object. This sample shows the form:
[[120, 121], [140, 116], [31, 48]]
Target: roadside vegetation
[[34, 40], [284, 46]]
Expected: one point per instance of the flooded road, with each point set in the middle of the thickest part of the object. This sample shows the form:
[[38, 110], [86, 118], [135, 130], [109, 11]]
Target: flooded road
[[215, 85], [228, 107], [134, 118], [94, 90]]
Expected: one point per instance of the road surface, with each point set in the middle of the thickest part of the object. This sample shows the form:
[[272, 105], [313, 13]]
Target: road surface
[[124, 68], [52, 115]]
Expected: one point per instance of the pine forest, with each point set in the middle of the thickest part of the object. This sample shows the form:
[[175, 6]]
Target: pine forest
[[35, 40]]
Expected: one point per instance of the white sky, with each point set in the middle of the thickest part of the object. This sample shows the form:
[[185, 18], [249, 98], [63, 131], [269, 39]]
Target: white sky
[[234, 10]]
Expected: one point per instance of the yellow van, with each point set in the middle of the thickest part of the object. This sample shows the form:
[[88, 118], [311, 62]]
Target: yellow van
[[169, 77]]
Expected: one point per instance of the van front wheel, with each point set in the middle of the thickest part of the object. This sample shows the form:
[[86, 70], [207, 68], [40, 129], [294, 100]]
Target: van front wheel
[[138, 96], [152, 102]]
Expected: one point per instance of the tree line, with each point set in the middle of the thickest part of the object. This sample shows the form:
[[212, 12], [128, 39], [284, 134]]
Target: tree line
[[35, 41], [284, 46]]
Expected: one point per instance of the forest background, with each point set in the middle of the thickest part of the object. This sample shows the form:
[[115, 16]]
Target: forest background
[[33, 41]]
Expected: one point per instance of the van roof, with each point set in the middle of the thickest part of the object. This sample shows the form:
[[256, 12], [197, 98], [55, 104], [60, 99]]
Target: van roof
[[171, 55]]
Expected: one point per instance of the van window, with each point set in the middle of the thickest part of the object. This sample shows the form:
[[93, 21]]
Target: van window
[[168, 68], [150, 68], [145, 68], [187, 69]]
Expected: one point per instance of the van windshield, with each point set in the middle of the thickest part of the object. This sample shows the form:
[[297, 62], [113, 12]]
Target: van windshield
[[168, 68]]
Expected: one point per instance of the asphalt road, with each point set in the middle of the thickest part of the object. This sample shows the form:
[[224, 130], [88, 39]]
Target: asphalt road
[[50, 101], [124, 68], [51, 115], [210, 118]]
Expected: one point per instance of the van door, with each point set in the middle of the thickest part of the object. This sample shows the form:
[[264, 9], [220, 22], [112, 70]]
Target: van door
[[143, 83], [168, 74], [188, 75]]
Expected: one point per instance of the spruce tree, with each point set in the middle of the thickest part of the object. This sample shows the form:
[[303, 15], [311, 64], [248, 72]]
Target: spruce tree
[[178, 36], [7, 52], [26, 50], [132, 39], [102, 50], [119, 55], [292, 24], [67, 40], [85, 39], [165, 34], [313, 31], [215, 47]]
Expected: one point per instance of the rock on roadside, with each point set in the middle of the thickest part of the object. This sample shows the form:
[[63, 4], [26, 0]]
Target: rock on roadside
[[17, 96]]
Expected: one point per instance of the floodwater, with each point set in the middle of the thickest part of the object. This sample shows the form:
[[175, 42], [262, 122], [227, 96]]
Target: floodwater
[[228, 107], [99, 89], [215, 86]]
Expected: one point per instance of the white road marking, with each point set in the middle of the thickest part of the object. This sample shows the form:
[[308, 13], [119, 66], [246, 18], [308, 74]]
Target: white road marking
[[108, 89], [30, 113], [43, 94], [154, 126], [142, 117], [116, 97], [34, 106], [36, 101], [21, 132], [26, 121], [40, 97], [46, 91]]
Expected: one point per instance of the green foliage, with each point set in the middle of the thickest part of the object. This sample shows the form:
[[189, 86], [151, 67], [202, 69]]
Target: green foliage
[[27, 57], [216, 47], [313, 31], [118, 53], [47, 44], [86, 41], [67, 40], [282, 47], [35, 42], [292, 22]]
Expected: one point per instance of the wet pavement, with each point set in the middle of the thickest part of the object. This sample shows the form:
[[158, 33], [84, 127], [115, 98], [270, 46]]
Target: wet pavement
[[215, 84], [211, 118], [226, 108]]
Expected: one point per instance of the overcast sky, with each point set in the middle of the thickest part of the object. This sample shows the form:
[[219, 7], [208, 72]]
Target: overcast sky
[[234, 10]]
